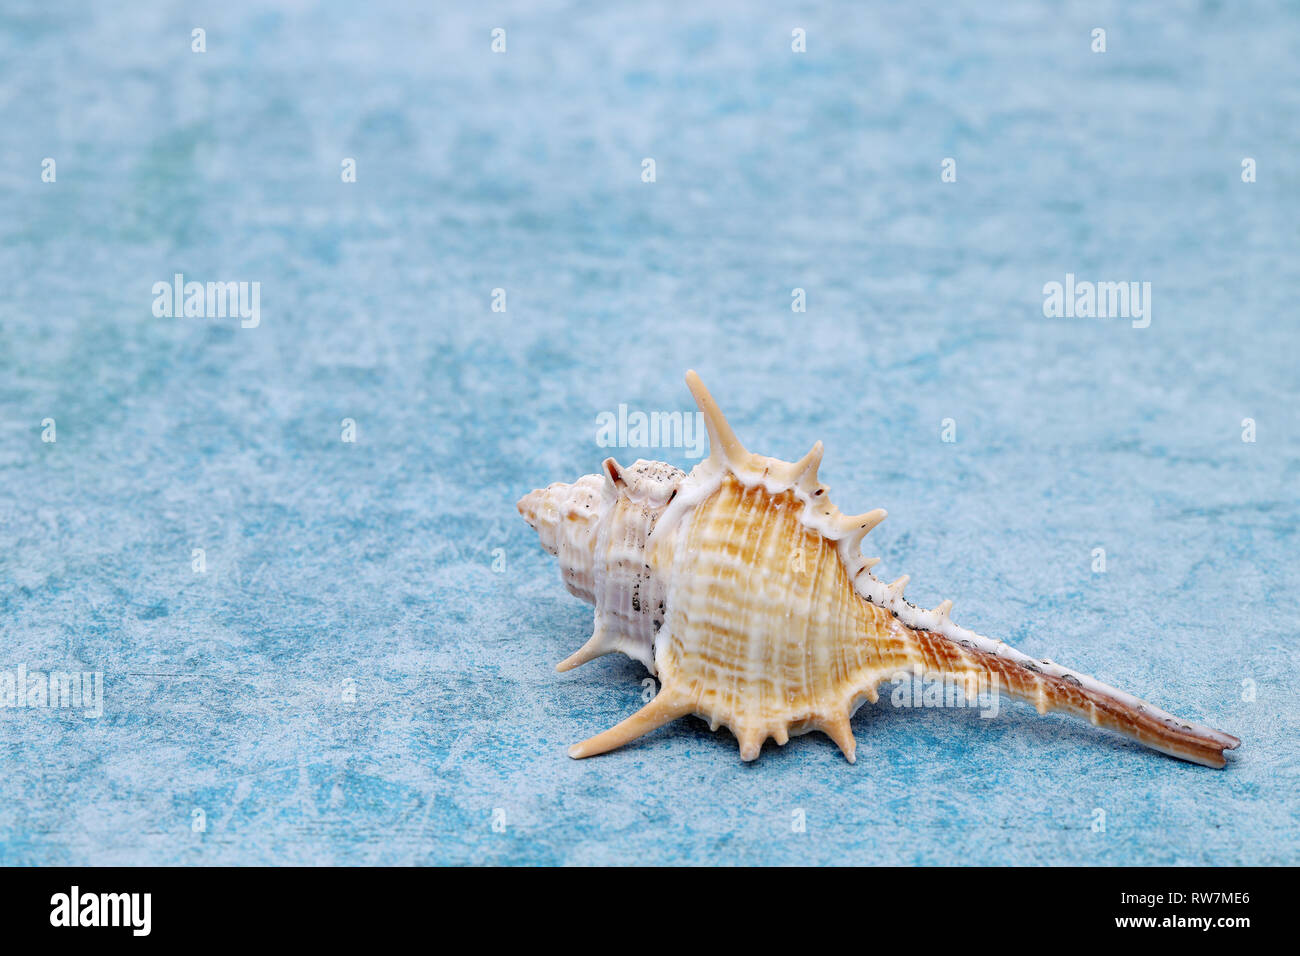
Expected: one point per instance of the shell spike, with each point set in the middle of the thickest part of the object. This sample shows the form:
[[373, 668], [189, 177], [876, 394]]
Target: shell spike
[[839, 730], [944, 610], [724, 446], [804, 471], [853, 528], [863, 522], [665, 707], [898, 586], [867, 565], [613, 473], [598, 645], [751, 743]]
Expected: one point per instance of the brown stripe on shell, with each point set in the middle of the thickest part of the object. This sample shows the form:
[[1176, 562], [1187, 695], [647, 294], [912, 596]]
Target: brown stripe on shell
[[1065, 693]]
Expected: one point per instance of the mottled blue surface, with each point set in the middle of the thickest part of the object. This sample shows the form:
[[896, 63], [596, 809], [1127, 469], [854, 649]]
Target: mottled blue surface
[[351, 681]]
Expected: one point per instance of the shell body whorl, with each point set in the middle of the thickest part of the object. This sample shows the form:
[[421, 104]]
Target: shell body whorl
[[746, 591], [765, 632]]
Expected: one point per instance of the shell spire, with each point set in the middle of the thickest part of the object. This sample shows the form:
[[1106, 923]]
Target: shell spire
[[744, 589]]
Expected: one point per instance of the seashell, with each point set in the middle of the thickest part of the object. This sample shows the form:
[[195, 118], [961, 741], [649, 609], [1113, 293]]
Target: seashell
[[745, 591]]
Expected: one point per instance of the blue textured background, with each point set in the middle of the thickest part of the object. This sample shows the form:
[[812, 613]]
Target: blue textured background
[[371, 563]]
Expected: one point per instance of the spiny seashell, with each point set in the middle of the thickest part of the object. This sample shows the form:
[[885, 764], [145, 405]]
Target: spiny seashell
[[744, 589]]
